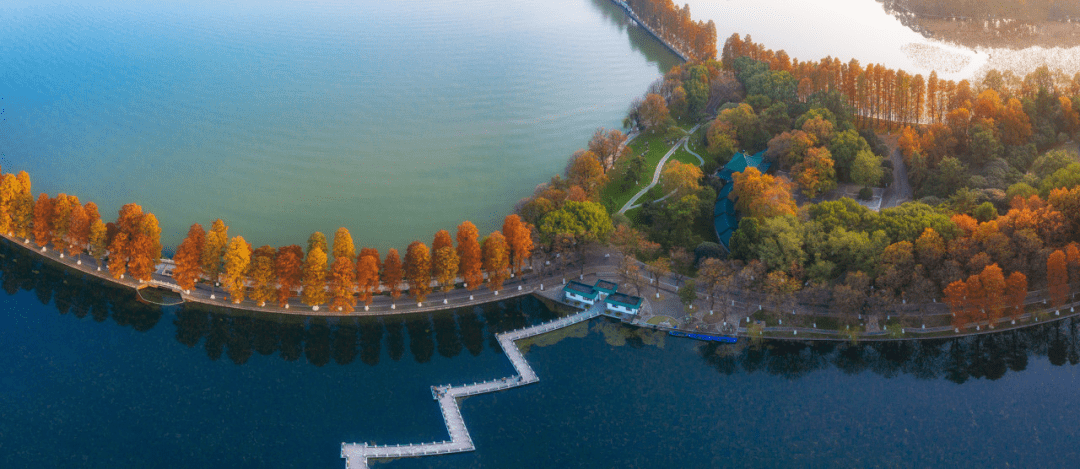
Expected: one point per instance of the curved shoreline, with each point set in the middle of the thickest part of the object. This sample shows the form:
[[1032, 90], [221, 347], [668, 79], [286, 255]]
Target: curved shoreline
[[552, 292]]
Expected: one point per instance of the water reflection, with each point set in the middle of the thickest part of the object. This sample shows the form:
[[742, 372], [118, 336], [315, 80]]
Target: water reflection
[[988, 356], [322, 341], [238, 335]]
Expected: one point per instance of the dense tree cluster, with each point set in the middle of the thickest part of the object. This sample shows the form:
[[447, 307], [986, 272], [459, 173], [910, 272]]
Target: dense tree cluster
[[337, 274], [695, 39]]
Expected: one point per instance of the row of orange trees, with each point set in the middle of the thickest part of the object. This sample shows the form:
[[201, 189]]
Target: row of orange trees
[[131, 246], [988, 295], [133, 242], [340, 275], [695, 39], [884, 97]]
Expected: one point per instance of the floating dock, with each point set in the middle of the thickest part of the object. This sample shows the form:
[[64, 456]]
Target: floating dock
[[356, 455]]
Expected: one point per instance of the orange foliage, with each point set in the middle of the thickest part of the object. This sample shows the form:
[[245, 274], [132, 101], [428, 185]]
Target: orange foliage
[[965, 222], [469, 255], [367, 276], [1057, 275], [1016, 287], [761, 195], [188, 256], [496, 260], [392, 274], [519, 236], [342, 283], [993, 283], [418, 270], [43, 210], [288, 268]]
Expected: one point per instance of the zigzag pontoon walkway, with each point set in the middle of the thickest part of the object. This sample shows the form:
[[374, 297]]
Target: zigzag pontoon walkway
[[357, 454]]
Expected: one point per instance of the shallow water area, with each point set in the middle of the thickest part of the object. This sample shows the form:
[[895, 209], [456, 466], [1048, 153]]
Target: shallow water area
[[393, 119]]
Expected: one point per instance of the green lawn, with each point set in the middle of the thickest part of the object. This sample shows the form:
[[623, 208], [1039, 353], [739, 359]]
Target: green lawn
[[613, 194]]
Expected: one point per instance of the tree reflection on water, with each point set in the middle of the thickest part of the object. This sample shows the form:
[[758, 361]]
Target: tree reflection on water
[[238, 335]]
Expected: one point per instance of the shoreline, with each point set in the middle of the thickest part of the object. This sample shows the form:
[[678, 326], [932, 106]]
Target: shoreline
[[551, 297]]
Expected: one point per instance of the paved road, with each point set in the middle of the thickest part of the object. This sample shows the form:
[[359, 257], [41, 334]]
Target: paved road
[[900, 190]]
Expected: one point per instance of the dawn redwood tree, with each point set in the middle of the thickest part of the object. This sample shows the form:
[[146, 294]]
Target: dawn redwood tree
[[43, 220], [519, 237], [61, 220], [342, 283], [188, 258], [117, 261], [993, 282], [9, 192], [1057, 274], [78, 231], [213, 249], [288, 268], [367, 276], [314, 278], [343, 245], [469, 255], [1016, 288], [418, 270], [22, 213], [496, 260], [444, 267], [392, 275], [261, 273], [317, 240], [98, 240], [236, 259]]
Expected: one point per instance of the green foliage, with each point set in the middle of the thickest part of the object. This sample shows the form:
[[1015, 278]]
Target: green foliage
[[1020, 189], [1021, 157], [985, 146], [845, 146], [906, 222], [1067, 177], [866, 193], [845, 213], [780, 246], [949, 176], [745, 238], [866, 170], [688, 293], [1052, 161], [583, 221], [775, 85], [985, 212]]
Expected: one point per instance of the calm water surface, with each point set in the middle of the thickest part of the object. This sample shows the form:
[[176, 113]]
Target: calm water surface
[[93, 378], [392, 118]]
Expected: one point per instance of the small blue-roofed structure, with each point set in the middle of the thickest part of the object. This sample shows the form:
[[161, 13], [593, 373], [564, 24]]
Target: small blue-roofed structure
[[623, 303], [580, 292], [606, 288], [725, 217]]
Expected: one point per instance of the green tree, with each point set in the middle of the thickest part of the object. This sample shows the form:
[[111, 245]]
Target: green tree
[[866, 170]]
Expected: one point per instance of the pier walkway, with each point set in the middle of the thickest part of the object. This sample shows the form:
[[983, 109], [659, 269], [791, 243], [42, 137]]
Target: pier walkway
[[357, 454]]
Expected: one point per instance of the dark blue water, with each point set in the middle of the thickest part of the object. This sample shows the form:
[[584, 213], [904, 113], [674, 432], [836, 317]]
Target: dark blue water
[[93, 378]]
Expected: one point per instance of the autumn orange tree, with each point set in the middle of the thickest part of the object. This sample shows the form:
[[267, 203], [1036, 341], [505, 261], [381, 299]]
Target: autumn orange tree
[[367, 275], [145, 247], [236, 259], [585, 171], [213, 249], [496, 260], [43, 220], [79, 230], [519, 238], [469, 255], [9, 191], [288, 269], [22, 211], [317, 240], [61, 220], [761, 195], [993, 283], [1057, 275], [444, 267], [392, 274], [188, 258], [418, 270], [117, 261], [261, 273], [314, 278], [342, 283], [1016, 288]]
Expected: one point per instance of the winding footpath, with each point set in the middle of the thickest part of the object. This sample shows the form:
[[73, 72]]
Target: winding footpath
[[356, 455], [660, 168]]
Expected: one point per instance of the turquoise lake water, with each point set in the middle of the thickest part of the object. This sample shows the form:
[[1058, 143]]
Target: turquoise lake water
[[394, 119], [92, 378]]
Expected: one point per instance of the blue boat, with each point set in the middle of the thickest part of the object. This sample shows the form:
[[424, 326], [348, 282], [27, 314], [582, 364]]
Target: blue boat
[[711, 338]]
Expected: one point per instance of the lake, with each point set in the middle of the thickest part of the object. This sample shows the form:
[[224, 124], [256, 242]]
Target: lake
[[94, 378], [394, 119]]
